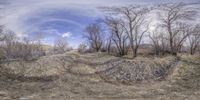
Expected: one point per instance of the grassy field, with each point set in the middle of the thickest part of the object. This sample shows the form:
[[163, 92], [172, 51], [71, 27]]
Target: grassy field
[[73, 76]]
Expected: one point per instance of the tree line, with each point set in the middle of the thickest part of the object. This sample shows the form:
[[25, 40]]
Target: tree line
[[125, 28], [13, 47]]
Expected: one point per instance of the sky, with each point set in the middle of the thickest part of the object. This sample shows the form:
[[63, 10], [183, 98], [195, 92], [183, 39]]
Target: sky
[[59, 18]]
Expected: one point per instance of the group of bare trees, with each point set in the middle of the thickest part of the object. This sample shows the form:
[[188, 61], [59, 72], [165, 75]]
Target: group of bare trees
[[176, 32], [194, 39], [174, 20], [125, 31], [158, 42], [127, 26], [27, 48], [118, 35], [14, 48], [61, 46], [94, 36], [122, 31]]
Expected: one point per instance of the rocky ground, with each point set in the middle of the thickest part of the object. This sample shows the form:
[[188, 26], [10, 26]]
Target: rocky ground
[[73, 76]]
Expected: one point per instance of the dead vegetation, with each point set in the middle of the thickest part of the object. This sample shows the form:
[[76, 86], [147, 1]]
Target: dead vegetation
[[129, 71], [88, 78], [111, 65]]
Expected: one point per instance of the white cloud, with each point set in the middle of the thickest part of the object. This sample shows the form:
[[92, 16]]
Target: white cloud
[[17, 11], [67, 35]]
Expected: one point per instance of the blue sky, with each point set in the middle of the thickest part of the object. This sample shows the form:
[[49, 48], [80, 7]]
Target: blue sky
[[59, 18]]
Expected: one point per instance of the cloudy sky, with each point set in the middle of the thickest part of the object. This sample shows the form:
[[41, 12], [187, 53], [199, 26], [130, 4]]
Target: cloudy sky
[[59, 18]]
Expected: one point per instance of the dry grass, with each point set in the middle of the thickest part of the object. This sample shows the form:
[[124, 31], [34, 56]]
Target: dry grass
[[81, 82]]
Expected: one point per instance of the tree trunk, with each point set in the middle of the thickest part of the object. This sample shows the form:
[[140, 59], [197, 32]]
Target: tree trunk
[[135, 53]]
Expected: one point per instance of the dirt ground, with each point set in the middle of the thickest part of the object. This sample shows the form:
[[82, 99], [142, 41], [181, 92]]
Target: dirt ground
[[47, 82]]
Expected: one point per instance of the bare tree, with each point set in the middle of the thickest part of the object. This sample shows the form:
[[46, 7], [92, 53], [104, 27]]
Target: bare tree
[[180, 39], [108, 44], [60, 45], [25, 49], [155, 38], [2, 35], [134, 24], [14, 49], [94, 35], [159, 41], [82, 48], [38, 46], [118, 35], [8, 44], [194, 39], [171, 16]]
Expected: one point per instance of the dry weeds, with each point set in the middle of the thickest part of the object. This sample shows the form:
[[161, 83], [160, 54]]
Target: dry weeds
[[42, 80]]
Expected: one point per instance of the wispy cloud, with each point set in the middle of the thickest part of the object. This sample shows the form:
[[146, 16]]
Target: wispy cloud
[[58, 16], [16, 12]]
